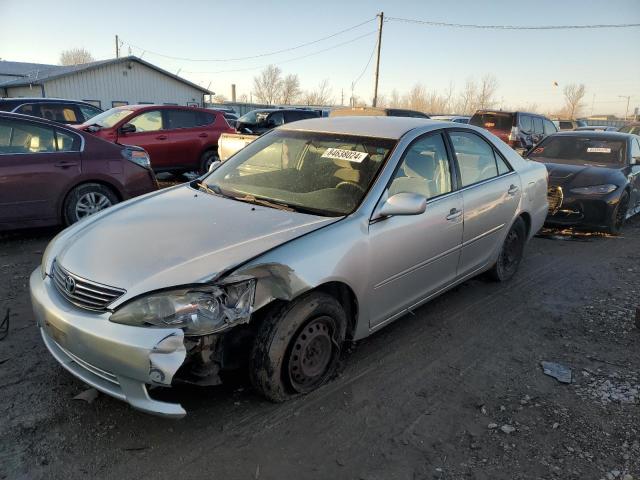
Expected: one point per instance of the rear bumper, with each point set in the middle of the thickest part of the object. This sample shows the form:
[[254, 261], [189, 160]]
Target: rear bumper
[[118, 360]]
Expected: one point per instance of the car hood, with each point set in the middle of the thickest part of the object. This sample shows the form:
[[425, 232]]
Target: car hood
[[177, 237], [577, 173]]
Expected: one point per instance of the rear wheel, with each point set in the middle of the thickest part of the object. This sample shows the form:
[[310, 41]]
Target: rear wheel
[[298, 347], [619, 215], [511, 253], [87, 199], [207, 159]]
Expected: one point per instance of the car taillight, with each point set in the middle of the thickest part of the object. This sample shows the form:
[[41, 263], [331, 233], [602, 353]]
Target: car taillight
[[513, 136], [137, 156]]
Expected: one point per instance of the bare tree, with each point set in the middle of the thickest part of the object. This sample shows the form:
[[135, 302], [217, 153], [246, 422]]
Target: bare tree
[[290, 91], [76, 56], [394, 99], [573, 95], [220, 98], [321, 96], [267, 86], [487, 91]]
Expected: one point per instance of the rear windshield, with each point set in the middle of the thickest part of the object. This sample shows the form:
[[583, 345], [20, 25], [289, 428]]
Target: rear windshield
[[493, 121], [598, 151]]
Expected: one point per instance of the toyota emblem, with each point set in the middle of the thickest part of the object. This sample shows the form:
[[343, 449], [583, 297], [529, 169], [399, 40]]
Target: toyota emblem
[[69, 285]]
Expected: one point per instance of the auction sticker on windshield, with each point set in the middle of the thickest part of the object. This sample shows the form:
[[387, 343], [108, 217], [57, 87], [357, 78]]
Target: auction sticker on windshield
[[340, 154], [598, 150]]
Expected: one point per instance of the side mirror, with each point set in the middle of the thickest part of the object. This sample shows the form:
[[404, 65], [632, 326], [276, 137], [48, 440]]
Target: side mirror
[[635, 160], [214, 165], [127, 128], [403, 204]]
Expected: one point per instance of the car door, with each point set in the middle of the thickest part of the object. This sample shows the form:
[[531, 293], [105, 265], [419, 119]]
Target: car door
[[490, 193], [634, 175], [186, 137], [417, 255], [538, 131], [37, 163], [149, 135]]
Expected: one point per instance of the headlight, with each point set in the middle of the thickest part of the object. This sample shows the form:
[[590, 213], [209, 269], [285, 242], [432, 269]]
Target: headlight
[[594, 189], [198, 311], [138, 156]]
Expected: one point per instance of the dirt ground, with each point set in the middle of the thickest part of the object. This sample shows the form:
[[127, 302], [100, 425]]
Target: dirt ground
[[455, 391]]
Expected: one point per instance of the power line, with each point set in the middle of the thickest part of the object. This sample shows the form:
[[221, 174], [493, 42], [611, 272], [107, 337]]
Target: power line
[[266, 54], [511, 27], [291, 59], [353, 83]]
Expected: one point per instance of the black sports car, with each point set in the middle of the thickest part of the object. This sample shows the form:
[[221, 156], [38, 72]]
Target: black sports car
[[594, 178]]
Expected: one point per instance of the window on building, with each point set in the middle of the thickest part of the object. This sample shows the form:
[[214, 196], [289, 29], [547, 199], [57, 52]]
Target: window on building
[[118, 103]]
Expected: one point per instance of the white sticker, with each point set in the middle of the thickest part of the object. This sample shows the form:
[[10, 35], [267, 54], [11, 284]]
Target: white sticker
[[340, 154], [598, 150]]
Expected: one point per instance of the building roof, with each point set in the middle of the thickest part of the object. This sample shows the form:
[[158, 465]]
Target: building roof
[[37, 73], [365, 126]]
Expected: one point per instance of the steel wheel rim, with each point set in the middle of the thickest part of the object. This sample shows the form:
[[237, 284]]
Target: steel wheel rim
[[511, 251], [209, 159], [311, 354], [90, 203]]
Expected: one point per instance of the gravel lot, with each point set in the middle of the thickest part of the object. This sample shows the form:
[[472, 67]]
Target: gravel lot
[[455, 391]]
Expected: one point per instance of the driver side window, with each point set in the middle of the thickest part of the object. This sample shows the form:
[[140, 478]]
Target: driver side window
[[148, 121], [424, 169]]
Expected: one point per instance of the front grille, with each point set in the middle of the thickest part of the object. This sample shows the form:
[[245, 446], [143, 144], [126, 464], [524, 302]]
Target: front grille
[[555, 198], [82, 292]]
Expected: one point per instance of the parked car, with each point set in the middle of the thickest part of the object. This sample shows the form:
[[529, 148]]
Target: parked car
[[452, 118], [599, 128], [257, 122], [52, 174], [520, 130], [229, 114], [71, 112], [178, 139], [319, 232], [569, 124], [633, 127], [594, 178], [373, 111]]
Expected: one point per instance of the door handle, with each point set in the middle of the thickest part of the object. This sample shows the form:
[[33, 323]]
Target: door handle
[[161, 137], [513, 189], [454, 213], [65, 164], [203, 135]]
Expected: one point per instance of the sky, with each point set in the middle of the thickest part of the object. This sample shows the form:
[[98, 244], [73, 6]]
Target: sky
[[526, 63]]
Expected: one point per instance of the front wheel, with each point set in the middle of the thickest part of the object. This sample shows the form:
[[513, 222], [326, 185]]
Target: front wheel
[[207, 159], [87, 199], [298, 346], [619, 214], [511, 253]]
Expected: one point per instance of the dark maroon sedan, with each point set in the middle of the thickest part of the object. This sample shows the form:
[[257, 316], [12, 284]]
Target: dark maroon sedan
[[51, 174]]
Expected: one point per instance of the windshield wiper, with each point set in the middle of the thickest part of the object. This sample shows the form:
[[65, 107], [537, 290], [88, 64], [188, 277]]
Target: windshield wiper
[[213, 190], [266, 203]]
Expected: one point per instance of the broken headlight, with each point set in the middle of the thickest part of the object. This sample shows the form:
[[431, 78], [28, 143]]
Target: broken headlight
[[198, 310]]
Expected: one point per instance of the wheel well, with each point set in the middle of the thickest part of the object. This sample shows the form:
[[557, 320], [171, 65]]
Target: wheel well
[[85, 182], [344, 294], [527, 221], [212, 148]]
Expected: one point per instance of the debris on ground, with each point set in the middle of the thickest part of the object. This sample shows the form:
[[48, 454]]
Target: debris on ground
[[88, 395], [559, 372]]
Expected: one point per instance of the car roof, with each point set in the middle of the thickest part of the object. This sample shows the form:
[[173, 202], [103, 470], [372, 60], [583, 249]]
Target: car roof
[[364, 126]]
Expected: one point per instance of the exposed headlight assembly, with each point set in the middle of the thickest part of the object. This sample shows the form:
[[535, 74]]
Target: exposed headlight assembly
[[594, 189], [199, 310]]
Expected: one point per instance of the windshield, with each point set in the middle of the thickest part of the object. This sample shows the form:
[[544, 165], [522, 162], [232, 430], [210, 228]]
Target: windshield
[[109, 118], [253, 117], [493, 121], [320, 173], [573, 149]]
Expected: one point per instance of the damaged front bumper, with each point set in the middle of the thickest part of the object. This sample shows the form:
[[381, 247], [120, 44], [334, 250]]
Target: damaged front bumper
[[119, 360]]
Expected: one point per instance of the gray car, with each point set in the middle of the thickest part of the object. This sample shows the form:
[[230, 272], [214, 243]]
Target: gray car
[[319, 232]]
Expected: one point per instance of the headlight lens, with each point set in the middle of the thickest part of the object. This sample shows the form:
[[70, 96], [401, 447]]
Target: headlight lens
[[594, 189], [198, 311]]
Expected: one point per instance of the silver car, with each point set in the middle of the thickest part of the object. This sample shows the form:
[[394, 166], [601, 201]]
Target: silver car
[[319, 232]]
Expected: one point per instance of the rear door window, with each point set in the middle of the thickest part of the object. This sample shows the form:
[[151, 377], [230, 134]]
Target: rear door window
[[537, 126], [59, 112], [476, 158], [25, 137], [181, 119], [549, 127], [526, 123]]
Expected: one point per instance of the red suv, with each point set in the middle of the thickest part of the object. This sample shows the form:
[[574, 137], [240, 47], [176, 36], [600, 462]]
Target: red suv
[[51, 173], [178, 139]]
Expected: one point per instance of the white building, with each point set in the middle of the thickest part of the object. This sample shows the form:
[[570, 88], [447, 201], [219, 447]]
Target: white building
[[105, 84]]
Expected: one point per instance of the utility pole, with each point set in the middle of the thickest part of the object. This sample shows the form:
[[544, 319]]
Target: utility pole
[[626, 112], [377, 75], [117, 47]]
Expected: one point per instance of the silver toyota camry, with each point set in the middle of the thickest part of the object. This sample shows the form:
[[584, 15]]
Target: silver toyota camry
[[319, 232]]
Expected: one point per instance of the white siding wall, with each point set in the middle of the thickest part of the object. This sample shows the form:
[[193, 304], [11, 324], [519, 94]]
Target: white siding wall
[[33, 91], [119, 83]]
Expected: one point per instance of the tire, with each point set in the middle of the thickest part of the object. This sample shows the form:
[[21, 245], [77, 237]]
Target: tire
[[298, 346], [511, 253], [86, 199], [207, 159], [619, 214]]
